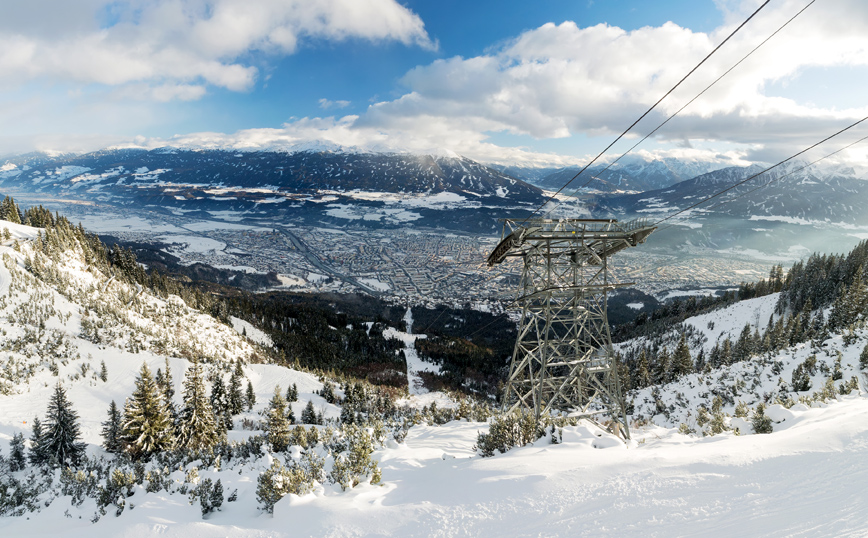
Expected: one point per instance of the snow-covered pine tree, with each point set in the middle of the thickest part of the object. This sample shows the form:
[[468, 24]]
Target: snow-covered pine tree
[[761, 422], [60, 435], [111, 430], [308, 414], [277, 425], [37, 454], [643, 376], [17, 461], [682, 362], [103, 372], [250, 396], [220, 403], [235, 396], [166, 385], [147, 425], [863, 358], [292, 393], [661, 367], [744, 345], [197, 427]]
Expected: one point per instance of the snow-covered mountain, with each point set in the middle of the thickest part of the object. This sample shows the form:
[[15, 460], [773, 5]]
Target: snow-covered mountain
[[176, 172], [792, 190], [780, 215], [302, 184], [632, 173]]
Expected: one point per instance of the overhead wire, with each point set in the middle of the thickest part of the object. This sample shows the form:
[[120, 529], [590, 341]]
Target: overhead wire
[[620, 136], [718, 79], [749, 178], [778, 178]]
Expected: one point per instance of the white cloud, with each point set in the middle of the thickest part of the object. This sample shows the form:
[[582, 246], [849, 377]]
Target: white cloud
[[182, 43], [562, 80], [326, 104], [558, 81]]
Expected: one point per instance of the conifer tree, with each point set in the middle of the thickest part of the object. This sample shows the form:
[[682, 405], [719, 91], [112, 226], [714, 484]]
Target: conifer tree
[[726, 352], [166, 386], [60, 436], [743, 346], [682, 362], [103, 372], [17, 461], [197, 427], [761, 422], [292, 393], [236, 397], [37, 454], [216, 496], [863, 358], [277, 425], [250, 397], [147, 425], [111, 430], [220, 403], [661, 367], [308, 414], [643, 375]]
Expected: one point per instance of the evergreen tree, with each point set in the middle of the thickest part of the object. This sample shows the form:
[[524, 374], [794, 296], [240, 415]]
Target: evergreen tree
[[17, 461], [166, 385], [643, 375], [743, 346], [250, 397], [236, 397], [682, 362], [761, 422], [111, 430], [277, 425], [308, 414], [661, 367], [216, 496], [37, 453], [60, 439], [220, 404], [103, 372], [863, 358], [197, 427], [292, 393], [147, 425], [726, 352]]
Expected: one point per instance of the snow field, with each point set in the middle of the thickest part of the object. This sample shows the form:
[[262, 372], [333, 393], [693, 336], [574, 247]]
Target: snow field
[[803, 480]]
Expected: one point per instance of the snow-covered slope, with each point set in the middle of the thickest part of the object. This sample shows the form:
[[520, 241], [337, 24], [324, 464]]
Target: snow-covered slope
[[805, 478]]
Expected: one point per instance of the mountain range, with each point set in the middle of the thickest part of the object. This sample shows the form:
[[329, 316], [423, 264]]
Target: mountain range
[[338, 186]]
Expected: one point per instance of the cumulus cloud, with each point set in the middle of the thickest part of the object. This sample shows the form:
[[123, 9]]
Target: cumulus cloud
[[561, 80], [553, 82], [182, 43]]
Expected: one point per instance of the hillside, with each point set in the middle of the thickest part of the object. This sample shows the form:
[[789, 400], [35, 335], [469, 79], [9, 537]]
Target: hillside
[[65, 313]]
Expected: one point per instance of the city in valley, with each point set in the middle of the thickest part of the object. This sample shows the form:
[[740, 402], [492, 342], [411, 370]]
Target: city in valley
[[407, 264]]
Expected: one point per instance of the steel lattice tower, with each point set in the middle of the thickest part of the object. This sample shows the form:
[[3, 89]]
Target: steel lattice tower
[[563, 358]]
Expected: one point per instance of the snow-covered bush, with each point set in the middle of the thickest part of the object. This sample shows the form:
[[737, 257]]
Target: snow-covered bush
[[355, 465], [760, 422], [277, 481]]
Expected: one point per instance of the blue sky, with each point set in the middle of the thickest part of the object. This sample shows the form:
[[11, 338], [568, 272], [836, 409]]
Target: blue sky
[[541, 83]]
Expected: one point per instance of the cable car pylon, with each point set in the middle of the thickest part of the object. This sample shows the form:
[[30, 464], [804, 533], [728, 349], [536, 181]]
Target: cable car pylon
[[563, 358]]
